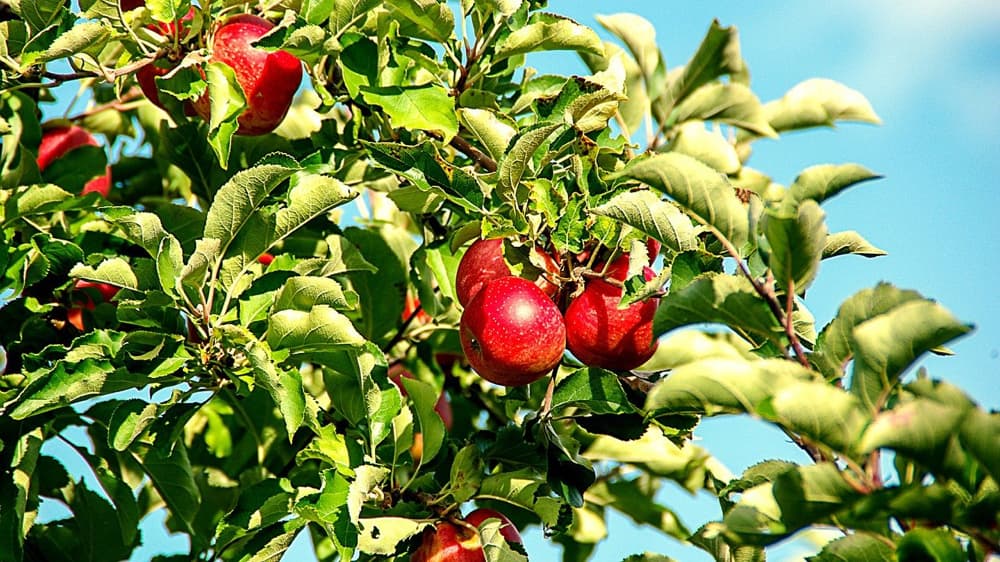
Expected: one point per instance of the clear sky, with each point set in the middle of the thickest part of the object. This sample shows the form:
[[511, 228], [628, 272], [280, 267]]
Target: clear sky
[[931, 69]]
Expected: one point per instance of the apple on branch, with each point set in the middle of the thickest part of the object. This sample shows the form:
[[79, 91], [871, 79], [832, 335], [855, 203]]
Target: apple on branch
[[455, 542], [57, 141], [84, 293], [268, 79], [483, 262]]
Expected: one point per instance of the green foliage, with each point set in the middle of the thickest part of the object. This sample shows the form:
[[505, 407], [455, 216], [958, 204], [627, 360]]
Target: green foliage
[[239, 379]]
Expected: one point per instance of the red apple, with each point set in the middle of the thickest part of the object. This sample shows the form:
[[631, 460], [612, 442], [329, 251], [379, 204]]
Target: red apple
[[84, 293], [451, 542], [512, 333], [146, 76], [265, 259], [507, 529], [269, 79], [131, 4], [410, 304], [600, 334], [483, 262], [57, 141]]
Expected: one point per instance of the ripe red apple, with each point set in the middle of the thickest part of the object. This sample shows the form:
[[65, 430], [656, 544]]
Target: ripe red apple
[[451, 542], [83, 297], [269, 79], [601, 335], [512, 333], [265, 259], [146, 76], [410, 304], [483, 262], [57, 141]]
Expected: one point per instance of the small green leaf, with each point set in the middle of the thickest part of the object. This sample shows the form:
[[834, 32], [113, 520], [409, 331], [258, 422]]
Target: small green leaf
[[708, 146], [718, 55], [85, 36], [433, 17], [796, 242], [345, 12], [857, 547], [320, 329], [818, 102], [594, 391], [639, 37], [305, 292], [245, 192], [129, 420], [732, 103], [169, 468], [227, 102], [382, 535], [519, 157], [425, 397], [849, 242], [15, 489], [645, 211], [428, 108], [826, 180], [331, 511], [113, 271], [934, 545], [492, 132], [549, 32]]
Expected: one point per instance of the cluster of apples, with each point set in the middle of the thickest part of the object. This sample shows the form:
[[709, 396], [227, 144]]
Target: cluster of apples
[[513, 332], [268, 79], [459, 541]]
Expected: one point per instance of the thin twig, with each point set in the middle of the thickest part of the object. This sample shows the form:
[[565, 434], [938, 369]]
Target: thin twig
[[478, 156]]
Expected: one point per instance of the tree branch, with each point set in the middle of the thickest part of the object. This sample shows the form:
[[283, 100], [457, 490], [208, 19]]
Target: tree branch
[[478, 156]]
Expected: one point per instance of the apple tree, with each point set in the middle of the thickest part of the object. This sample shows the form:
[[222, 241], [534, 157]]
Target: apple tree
[[437, 283]]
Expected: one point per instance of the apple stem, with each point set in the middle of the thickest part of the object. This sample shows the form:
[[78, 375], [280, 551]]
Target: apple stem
[[549, 391]]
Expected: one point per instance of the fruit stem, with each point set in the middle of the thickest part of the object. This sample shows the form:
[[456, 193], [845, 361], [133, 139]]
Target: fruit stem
[[549, 391]]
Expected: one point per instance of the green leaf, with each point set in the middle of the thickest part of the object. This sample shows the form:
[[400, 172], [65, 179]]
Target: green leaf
[[236, 201], [130, 420], [433, 17], [427, 108], [796, 242], [826, 180], [113, 271], [849, 242], [732, 103], [318, 330], [719, 299], [331, 511], [425, 397], [284, 386], [96, 525], [549, 32], [702, 191], [519, 156], [857, 547], [345, 12], [15, 489], [639, 37], [259, 506], [885, 346], [85, 36], [934, 545], [169, 468], [717, 55], [382, 535], [227, 102], [636, 499], [271, 544], [305, 292], [645, 211], [487, 127], [594, 391], [168, 11], [818, 102], [708, 146], [41, 14], [657, 454]]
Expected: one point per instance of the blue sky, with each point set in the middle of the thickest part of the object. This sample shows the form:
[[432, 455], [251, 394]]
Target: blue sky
[[932, 72]]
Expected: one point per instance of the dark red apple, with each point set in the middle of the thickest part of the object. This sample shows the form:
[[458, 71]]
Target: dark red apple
[[269, 79], [265, 259], [57, 141], [512, 333], [146, 76], [131, 4], [83, 298], [451, 542], [600, 334], [483, 262]]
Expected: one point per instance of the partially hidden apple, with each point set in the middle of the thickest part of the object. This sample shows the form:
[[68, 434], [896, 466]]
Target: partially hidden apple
[[57, 141], [483, 262], [512, 333], [454, 542], [443, 408], [146, 75], [83, 298], [269, 79], [600, 334]]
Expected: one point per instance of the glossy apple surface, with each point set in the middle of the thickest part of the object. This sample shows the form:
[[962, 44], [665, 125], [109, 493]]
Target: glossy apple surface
[[512, 333], [600, 334], [269, 79], [57, 141], [483, 262], [507, 529]]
